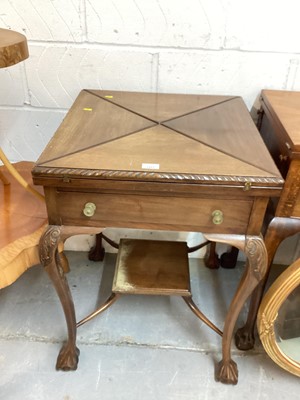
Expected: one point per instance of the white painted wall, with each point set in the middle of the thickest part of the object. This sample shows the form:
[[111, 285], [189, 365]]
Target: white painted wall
[[233, 47]]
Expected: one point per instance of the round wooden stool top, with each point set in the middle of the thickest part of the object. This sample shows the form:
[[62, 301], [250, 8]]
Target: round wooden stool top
[[13, 48]]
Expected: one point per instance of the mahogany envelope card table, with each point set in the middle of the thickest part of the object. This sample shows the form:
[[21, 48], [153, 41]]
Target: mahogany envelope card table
[[193, 163]]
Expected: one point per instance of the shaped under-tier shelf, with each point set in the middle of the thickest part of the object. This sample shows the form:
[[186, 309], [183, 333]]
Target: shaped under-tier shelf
[[152, 267]]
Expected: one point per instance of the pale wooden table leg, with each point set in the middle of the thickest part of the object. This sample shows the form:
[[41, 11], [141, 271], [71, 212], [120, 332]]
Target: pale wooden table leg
[[256, 253], [4, 179], [19, 177]]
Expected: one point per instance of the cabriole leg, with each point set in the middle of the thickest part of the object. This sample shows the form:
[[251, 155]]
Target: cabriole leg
[[255, 250], [278, 230], [49, 256]]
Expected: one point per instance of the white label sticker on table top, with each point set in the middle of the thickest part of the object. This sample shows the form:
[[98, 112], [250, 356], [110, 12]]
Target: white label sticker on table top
[[150, 166]]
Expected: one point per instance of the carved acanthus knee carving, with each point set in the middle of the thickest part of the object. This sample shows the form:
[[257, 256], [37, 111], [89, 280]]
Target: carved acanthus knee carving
[[48, 244], [256, 253], [278, 230]]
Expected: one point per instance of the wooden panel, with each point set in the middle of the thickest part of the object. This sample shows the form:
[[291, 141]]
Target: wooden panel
[[225, 189], [160, 106], [135, 211], [91, 121], [257, 215], [154, 267], [289, 203], [296, 210], [228, 128], [146, 150], [285, 109], [271, 134], [21, 213]]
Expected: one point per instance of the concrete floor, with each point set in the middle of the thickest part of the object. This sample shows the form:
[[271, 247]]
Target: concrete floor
[[143, 347]]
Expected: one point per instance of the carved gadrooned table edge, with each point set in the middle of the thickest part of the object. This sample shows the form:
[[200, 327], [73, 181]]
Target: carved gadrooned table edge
[[154, 176]]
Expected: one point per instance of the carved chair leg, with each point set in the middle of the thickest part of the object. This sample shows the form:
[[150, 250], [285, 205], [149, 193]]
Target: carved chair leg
[[255, 250], [278, 230]]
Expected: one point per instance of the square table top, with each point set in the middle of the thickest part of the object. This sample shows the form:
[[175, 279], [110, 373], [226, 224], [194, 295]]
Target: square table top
[[159, 137]]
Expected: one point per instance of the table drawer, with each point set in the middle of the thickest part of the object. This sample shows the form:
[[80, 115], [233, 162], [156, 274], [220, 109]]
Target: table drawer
[[153, 212]]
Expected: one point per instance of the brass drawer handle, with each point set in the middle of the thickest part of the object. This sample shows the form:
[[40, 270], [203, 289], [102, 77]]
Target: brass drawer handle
[[89, 209], [217, 217]]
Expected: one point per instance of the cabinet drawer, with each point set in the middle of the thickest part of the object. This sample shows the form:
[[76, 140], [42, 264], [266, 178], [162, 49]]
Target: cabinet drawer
[[277, 147], [153, 212]]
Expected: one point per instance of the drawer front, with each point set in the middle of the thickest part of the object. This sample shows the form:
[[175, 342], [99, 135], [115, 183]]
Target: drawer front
[[153, 212]]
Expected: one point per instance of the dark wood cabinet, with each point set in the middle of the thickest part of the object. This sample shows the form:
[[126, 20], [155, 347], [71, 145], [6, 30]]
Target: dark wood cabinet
[[280, 129], [279, 125]]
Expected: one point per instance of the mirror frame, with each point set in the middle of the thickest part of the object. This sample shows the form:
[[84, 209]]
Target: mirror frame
[[268, 312]]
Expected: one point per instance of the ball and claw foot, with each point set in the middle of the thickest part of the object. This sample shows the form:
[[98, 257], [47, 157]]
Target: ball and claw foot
[[227, 372], [228, 260], [96, 254], [67, 359], [244, 339]]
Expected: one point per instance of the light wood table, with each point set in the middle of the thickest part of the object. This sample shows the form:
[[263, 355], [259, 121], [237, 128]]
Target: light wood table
[[22, 212], [23, 219], [158, 161]]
